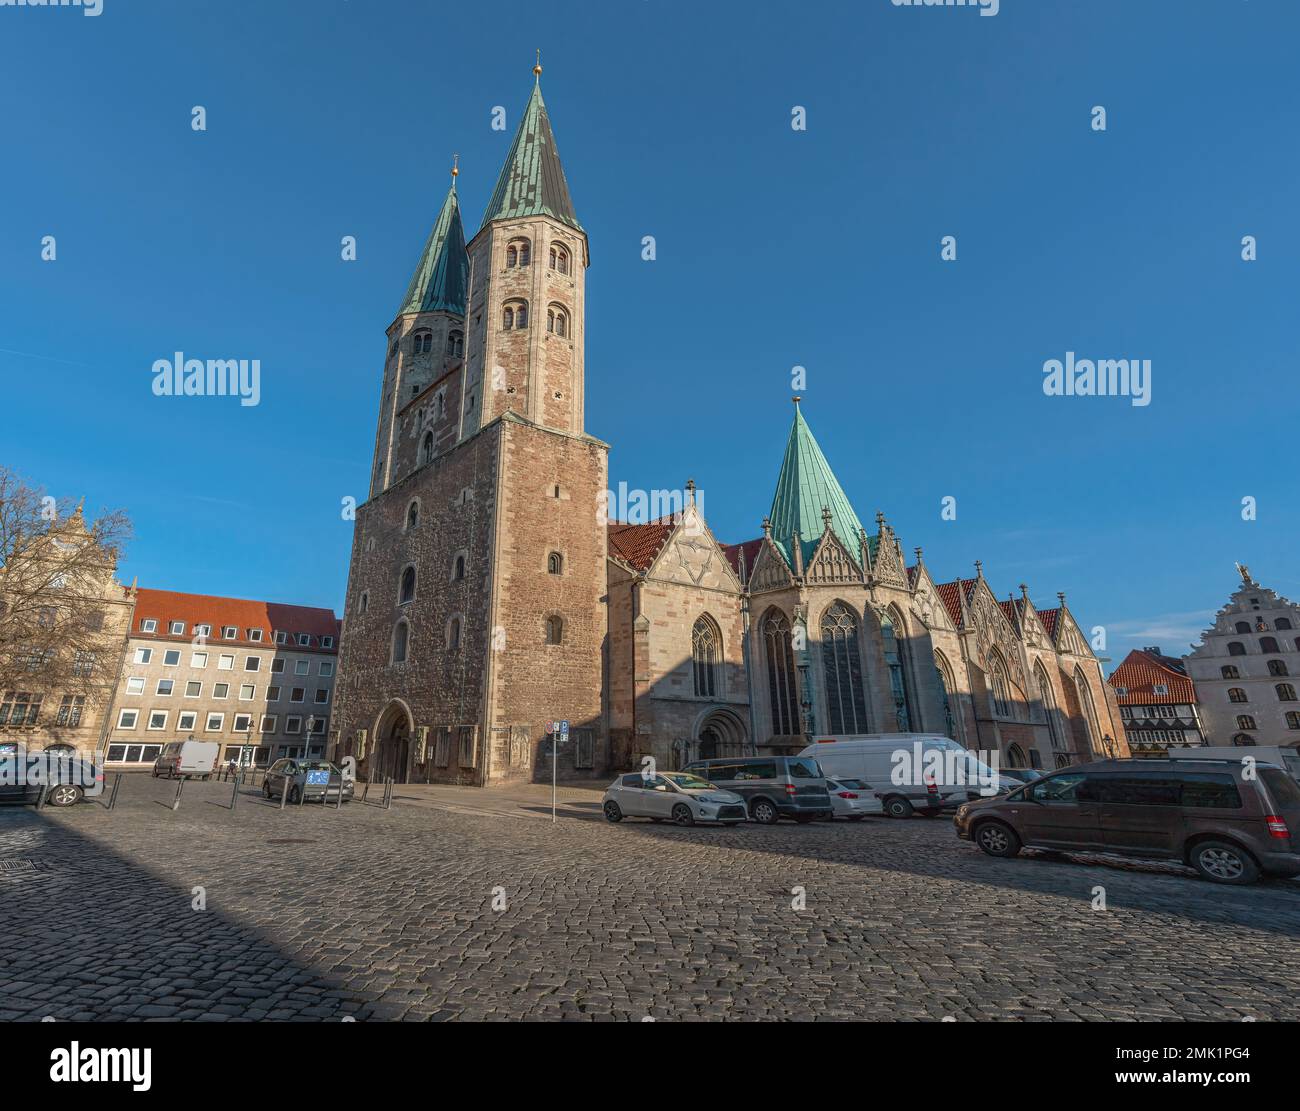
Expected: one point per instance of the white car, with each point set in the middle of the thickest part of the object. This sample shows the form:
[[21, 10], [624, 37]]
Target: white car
[[852, 798], [674, 797]]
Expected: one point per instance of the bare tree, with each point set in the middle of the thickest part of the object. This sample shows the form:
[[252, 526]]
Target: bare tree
[[60, 601]]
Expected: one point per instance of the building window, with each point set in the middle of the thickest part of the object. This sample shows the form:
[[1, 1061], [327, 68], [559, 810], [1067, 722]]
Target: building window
[[782, 695], [455, 344], [273, 694], [229, 632], [1229, 671], [148, 625], [293, 724], [555, 564], [214, 723], [554, 630], [1236, 648], [157, 720], [947, 692], [401, 635], [302, 667], [518, 253], [1285, 692], [193, 688], [557, 321], [1281, 623], [70, 710], [281, 638], [413, 515], [1245, 722], [453, 634], [1277, 667], [1090, 722], [186, 720], [406, 592], [304, 640], [126, 719], [515, 316], [422, 343], [176, 628], [706, 654], [363, 603], [426, 448], [220, 690], [202, 630], [1047, 697], [999, 687], [1243, 626], [1236, 694], [143, 655], [842, 671], [1292, 719], [897, 670], [1268, 644], [560, 260], [164, 688]]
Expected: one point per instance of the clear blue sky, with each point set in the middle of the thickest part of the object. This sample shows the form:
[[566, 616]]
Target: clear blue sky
[[775, 248]]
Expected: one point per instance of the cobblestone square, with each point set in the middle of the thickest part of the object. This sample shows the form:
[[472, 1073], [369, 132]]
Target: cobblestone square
[[316, 914]]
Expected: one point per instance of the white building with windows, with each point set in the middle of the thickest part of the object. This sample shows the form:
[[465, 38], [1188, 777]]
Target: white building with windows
[[1245, 669], [255, 677]]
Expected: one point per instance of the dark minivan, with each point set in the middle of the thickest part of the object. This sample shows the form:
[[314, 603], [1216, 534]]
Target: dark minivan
[[773, 787], [1231, 820]]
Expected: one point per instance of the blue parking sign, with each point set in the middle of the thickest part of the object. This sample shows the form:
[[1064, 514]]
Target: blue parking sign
[[318, 778]]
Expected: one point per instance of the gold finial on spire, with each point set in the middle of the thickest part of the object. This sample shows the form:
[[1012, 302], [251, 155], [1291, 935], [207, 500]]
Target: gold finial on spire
[[455, 168], [537, 69]]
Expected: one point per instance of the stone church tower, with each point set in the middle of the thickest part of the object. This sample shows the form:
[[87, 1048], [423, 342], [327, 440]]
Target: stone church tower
[[475, 611]]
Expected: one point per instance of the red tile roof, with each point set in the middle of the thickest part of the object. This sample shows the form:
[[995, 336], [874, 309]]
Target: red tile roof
[[951, 594], [1139, 673], [1048, 618], [165, 606], [751, 548], [639, 544]]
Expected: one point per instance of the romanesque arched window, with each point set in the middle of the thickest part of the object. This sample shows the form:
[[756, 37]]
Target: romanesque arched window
[[1277, 667], [406, 591], [948, 691], [517, 253], [422, 343], [897, 667], [557, 321], [846, 706], [412, 514], [458, 568], [706, 653], [554, 630], [781, 691], [560, 259], [455, 344], [515, 316], [401, 635], [555, 564]]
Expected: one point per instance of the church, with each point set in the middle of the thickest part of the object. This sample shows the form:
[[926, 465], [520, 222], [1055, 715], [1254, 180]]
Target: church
[[489, 595]]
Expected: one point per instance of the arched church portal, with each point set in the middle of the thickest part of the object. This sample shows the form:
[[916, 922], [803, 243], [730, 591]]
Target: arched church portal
[[719, 733], [392, 757]]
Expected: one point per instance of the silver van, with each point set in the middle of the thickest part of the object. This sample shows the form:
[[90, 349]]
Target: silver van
[[773, 787]]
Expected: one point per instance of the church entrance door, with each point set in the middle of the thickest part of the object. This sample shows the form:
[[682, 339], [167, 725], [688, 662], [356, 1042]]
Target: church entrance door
[[393, 754]]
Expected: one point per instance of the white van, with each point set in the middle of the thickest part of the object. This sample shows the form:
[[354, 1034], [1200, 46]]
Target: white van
[[186, 758], [1288, 759], [937, 772]]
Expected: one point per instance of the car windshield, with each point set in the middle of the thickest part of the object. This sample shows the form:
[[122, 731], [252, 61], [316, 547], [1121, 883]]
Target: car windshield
[[804, 769], [316, 766], [688, 782]]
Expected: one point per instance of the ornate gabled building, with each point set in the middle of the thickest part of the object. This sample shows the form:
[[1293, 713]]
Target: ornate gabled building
[[487, 595], [1157, 701], [1245, 668], [818, 628]]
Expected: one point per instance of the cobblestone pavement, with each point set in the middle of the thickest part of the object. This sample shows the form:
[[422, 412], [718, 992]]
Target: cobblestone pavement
[[317, 914]]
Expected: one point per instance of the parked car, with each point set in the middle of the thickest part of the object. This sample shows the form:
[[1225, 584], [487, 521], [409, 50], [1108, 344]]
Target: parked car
[[186, 758], [773, 787], [68, 779], [308, 781], [852, 798], [672, 796], [1229, 825], [879, 757]]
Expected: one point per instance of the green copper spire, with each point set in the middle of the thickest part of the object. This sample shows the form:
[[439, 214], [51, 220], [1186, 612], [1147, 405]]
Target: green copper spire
[[443, 272], [532, 180], [805, 487]]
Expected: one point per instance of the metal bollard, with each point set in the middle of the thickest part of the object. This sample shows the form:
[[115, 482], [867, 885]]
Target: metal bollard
[[40, 799], [176, 802], [343, 782], [302, 793], [388, 793], [234, 795], [112, 798], [365, 794], [284, 793]]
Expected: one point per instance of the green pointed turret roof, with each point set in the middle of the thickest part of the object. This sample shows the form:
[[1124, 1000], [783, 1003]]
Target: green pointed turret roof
[[442, 276], [805, 486], [532, 180]]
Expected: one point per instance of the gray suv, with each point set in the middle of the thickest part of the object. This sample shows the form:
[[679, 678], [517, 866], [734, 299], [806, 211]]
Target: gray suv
[[773, 787], [1231, 820]]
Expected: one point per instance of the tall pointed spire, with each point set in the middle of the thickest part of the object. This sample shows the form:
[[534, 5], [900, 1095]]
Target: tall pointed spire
[[532, 180], [805, 487], [441, 278]]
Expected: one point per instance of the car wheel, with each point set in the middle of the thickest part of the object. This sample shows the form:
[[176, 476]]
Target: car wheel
[[612, 812], [765, 813], [997, 839], [1222, 862], [294, 795], [65, 794], [266, 790], [682, 815], [898, 807]]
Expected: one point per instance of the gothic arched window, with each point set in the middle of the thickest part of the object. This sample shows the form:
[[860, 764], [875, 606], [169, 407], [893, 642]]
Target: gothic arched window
[[706, 651], [897, 670], [401, 635], [1089, 710], [412, 515], [458, 569], [999, 687], [554, 630], [1047, 696], [948, 690], [426, 448], [846, 706], [782, 695], [406, 591]]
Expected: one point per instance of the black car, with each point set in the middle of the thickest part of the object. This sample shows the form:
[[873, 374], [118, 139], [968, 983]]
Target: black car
[[773, 787], [66, 780]]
